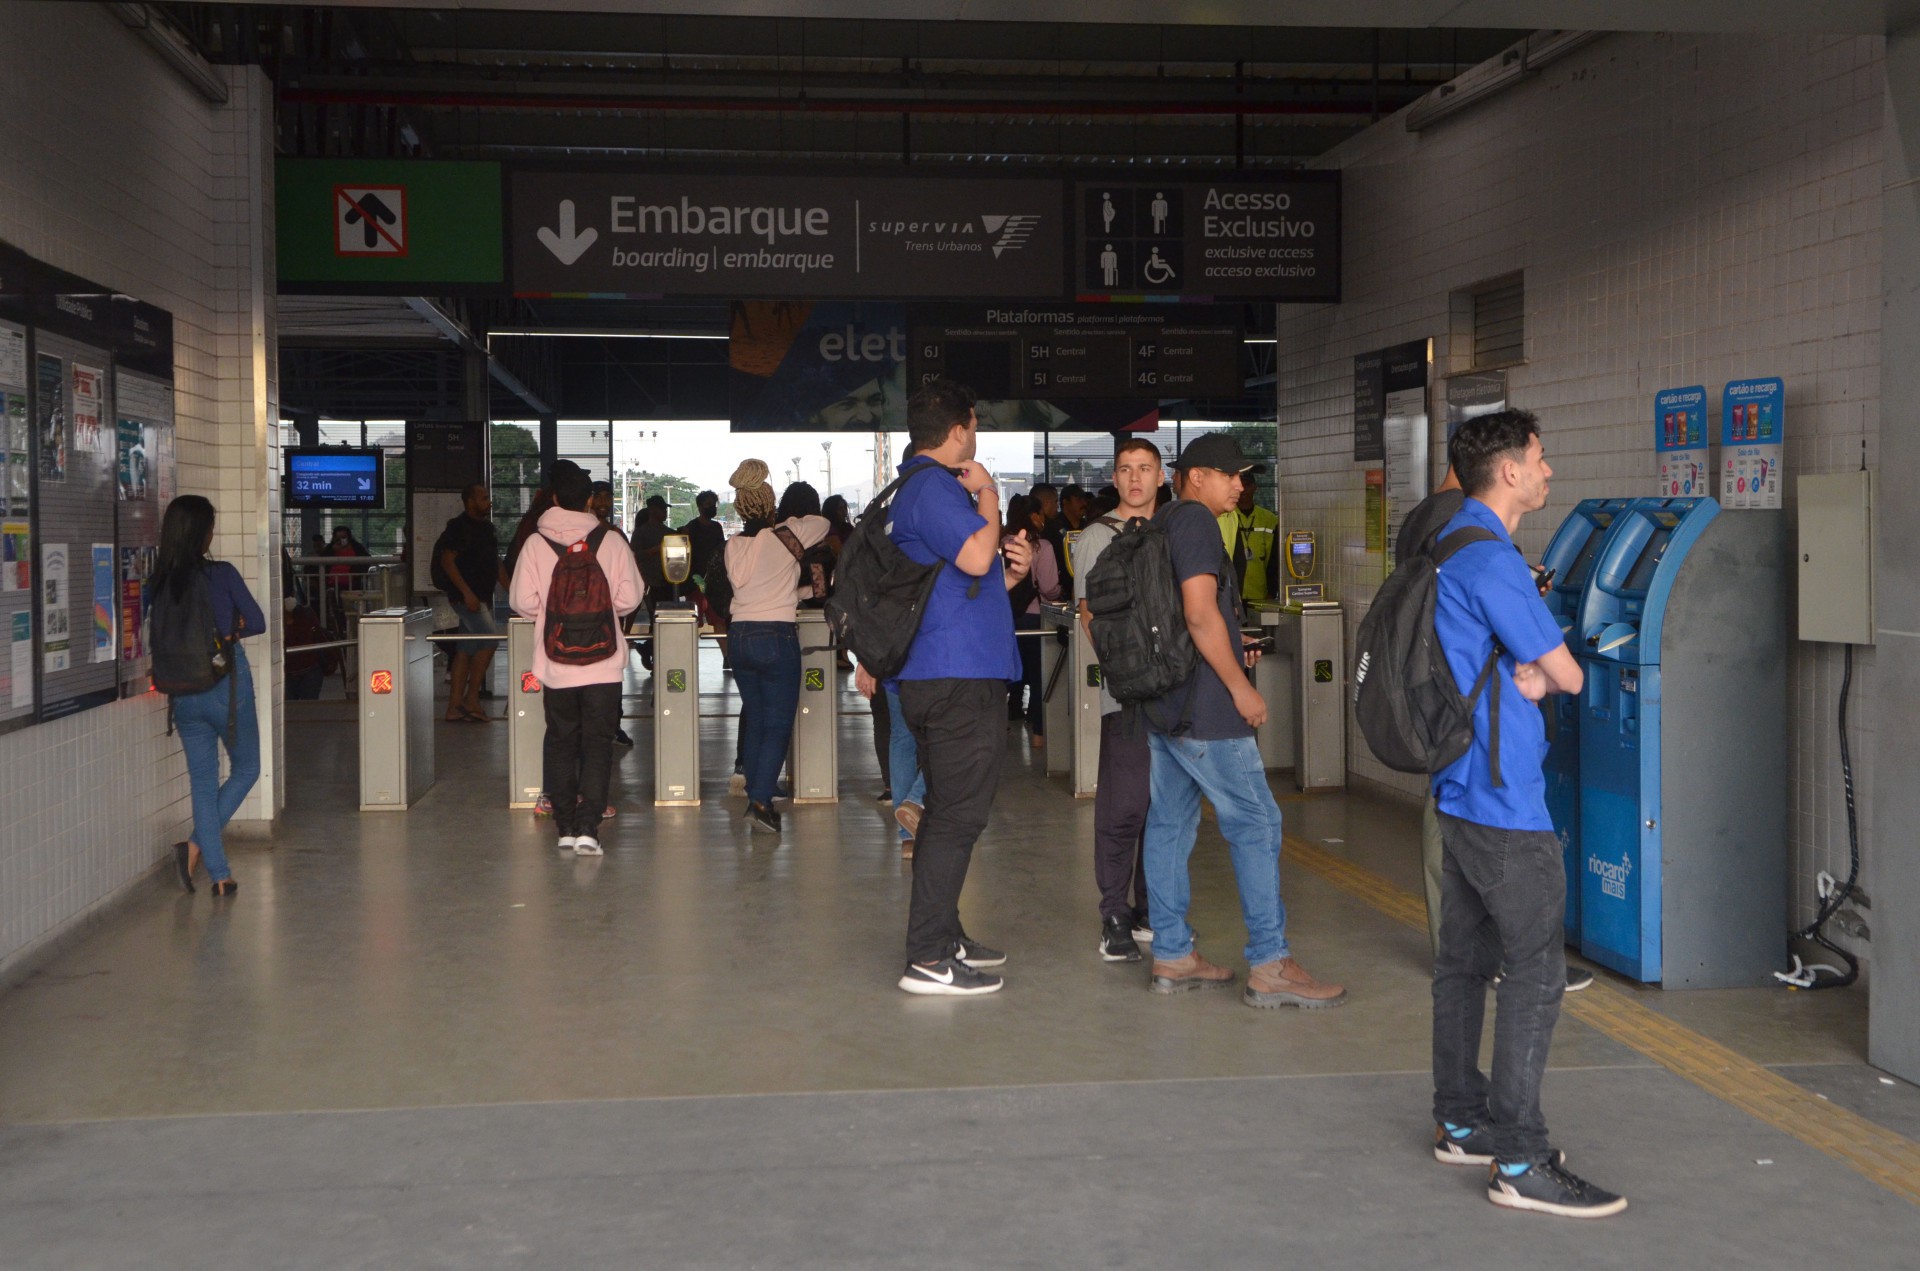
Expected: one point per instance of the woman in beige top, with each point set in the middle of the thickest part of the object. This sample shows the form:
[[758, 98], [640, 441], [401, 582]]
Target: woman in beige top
[[763, 566]]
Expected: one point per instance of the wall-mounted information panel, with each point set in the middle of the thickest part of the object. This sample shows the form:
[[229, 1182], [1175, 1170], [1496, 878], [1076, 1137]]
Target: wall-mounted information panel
[[86, 467], [1020, 351]]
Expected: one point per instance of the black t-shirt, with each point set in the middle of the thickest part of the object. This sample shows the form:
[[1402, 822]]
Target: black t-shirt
[[705, 539], [476, 554], [1195, 543]]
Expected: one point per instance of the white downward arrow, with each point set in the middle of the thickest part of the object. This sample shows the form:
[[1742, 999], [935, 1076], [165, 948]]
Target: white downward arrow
[[567, 245]]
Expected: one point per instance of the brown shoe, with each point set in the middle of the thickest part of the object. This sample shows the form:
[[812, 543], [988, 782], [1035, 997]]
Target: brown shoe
[[908, 816], [1284, 982], [906, 849], [1190, 972]]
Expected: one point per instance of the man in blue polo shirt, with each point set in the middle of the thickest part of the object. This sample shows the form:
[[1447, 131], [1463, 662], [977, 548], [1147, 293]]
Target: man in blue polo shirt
[[1503, 884], [953, 687]]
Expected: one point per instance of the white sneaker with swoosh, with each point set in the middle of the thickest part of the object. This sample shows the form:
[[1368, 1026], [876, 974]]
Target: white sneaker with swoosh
[[949, 977]]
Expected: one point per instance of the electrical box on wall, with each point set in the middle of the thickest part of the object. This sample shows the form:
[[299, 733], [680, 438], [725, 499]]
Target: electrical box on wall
[[1836, 556]]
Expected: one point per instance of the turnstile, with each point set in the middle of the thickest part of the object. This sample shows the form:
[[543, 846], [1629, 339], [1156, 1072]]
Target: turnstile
[[1080, 685], [1302, 681], [396, 709], [1057, 700], [814, 762], [526, 718], [676, 707]]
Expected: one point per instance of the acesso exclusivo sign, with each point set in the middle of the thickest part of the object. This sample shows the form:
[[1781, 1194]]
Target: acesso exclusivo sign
[[666, 234]]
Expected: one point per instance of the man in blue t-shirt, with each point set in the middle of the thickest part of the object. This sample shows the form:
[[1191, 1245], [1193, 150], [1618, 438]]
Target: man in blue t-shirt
[[1503, 884], [953, 687], [1201, 737]]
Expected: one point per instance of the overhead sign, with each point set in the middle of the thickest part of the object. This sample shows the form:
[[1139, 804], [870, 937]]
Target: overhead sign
[[388, 225], [643, 234], [1156, 351], [1267, 239]]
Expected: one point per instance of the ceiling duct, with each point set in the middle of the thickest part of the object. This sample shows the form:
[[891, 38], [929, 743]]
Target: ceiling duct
[[1495, 76]]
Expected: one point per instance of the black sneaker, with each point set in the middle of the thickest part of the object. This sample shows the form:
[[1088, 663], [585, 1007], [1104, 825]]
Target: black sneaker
[[949, 977], [1550, 1188], [1116, 941], [620, 738], [762, 817], [1142, 929], [1475, 1147], [885, 796], [1578, 978], [975, 954]]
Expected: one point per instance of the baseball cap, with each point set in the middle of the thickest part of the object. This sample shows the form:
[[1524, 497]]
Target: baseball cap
[[1216, 450]]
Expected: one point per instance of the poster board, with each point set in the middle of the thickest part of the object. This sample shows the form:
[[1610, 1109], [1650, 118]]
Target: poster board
[[143, 427], [17, 574]]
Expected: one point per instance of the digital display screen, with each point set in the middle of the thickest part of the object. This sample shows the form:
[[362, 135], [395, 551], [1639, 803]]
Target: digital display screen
[[336, 478], [1583, 563], [1301, 551], [1642, 576]]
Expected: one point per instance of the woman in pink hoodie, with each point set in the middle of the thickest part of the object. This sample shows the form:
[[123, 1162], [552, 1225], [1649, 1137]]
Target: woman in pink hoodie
[[582, 701]]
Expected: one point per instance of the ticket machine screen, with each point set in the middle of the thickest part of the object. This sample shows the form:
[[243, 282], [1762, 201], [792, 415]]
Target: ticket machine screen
[[1642, 576], [1576, 575]]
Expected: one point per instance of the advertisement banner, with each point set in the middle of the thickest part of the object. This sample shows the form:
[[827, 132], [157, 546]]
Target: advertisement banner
[[1753, 426], [647, 234], [1680, 441]]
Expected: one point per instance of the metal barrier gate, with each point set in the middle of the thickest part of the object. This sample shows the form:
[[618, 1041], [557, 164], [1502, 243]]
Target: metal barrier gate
[[395, 709], [814, 757], [676, 708], [526, 718], [1072, 682], [1303, 681]]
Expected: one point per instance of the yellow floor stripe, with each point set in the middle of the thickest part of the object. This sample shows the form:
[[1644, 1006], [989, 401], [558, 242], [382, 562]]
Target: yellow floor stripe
[[1875, 1152]]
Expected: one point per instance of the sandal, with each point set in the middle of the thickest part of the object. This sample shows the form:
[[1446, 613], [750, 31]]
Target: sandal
[[181, 869], [225, 887]]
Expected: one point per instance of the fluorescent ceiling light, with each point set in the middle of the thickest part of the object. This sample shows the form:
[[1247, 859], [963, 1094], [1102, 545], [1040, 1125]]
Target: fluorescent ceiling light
[[584, 333]]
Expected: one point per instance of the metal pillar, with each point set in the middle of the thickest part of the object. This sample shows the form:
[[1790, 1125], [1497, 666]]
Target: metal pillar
[[676, 708], [526, 718], [396, 709], [815, 759]]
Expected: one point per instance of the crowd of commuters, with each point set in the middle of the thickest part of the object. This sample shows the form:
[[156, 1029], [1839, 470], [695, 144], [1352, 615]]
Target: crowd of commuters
[[1496, 883]]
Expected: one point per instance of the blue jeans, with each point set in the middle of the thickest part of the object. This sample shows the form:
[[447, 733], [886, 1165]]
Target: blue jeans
[[201, 721], [903, 757], [766, 666], [1230, 775]]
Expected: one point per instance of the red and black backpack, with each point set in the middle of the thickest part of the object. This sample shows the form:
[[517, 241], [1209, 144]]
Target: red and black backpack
[[579, 628]]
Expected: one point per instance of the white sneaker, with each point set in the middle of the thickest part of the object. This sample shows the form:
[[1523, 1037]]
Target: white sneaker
[[587, 845], [568, 842]]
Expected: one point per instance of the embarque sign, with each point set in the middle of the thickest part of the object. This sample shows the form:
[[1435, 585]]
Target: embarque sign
[[629, 234]]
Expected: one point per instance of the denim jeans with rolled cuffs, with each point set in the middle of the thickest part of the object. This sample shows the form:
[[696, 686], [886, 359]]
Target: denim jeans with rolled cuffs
[[1502, 905], [201, 721], [766, 666], [1229, 773], [903, 760]]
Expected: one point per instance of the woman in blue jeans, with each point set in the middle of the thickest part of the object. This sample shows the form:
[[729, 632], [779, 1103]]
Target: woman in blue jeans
[[223, 714], [764, 568]]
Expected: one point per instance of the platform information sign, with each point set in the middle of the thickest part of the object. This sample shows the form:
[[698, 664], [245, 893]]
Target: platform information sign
[[1753, 422], [1070, 351], [1680, 441]]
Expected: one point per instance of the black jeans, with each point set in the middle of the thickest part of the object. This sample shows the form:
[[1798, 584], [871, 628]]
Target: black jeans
[[1032, 674], [960, 728], [578, 754], [882, 734], [1502, 905], [1120, 815]]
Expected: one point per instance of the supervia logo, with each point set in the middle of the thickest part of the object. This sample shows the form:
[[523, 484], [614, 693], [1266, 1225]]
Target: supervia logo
[[1014, 231]]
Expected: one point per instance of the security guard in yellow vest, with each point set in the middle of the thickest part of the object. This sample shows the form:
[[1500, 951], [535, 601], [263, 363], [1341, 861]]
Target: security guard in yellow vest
[[1256, 544]]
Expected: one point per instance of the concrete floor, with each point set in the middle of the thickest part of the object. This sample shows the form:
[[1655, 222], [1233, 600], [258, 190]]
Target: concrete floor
[[457, 1047]]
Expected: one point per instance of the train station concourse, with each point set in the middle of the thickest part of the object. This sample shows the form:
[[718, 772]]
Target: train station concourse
[[496, 691]]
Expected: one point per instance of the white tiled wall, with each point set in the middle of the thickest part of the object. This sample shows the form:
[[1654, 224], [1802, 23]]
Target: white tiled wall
[[112, 167], [1687, 210]]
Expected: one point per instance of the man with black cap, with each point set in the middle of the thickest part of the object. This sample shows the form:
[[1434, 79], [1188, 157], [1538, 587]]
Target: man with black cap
[[1202, 741]]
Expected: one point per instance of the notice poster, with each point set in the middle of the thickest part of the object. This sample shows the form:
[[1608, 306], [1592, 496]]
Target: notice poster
[[56, 639], [16, 489], [50, 401], [104, 586], [136, 566], [1680, 441], [20, 663], [13, 358], [89, 429], [1752, 442], [1376, 509], [16, 559], [135, 469]]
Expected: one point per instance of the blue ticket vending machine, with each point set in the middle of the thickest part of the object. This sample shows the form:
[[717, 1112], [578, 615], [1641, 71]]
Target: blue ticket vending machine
[[1575, 546], [1683, 765]]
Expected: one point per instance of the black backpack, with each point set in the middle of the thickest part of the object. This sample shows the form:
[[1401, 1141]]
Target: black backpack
[[1404, 694], [189, 652], [879, 592], [1138, 619]]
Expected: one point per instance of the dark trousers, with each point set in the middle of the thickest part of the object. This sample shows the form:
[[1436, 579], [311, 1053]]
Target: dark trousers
[[1120, 816], [766, 666], [882, 734], [960, 729], [1502, 903], [578, 753], [1031, 675]]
